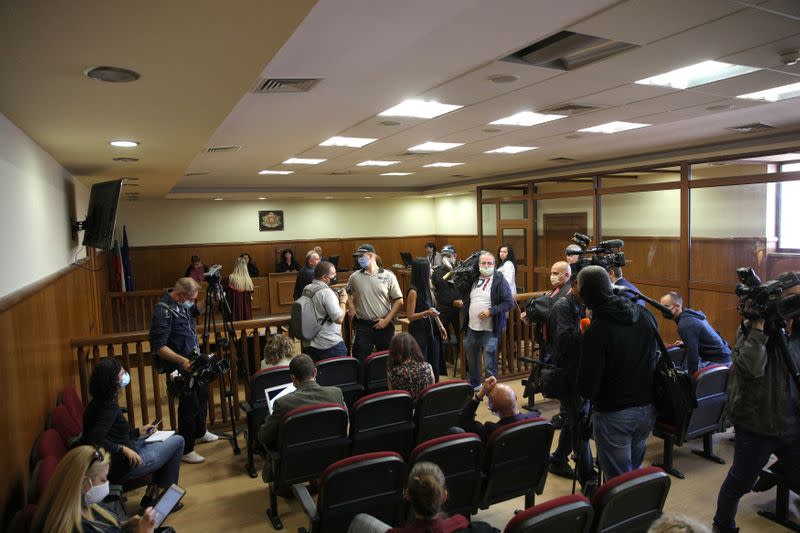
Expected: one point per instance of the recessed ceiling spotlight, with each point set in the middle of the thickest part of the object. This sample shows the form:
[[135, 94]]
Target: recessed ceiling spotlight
[[419, 109], [697, 74], [511, 149], [443, 164], [125, 159], [371, 163], [262, 197], [303, 161], [720, 107], [526, 118], [329, 197], [614, 127], [390, 123], [350, 142], [122, 143], [503, 78], [281, 172], [776, 94], [112, 74], [396, 173], [368, 197], [449, 194], [217, 199], [434, 147]]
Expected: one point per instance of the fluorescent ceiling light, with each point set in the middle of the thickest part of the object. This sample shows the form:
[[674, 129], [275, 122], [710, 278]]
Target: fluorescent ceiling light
[[351, 142], [526, 118], [282, 172], [614, 127], [302, 161], [511, 149], [124, 143], [397, 174], [376, 163], [443, 164], [776, 94], [697, 74], [434, 147], [419, 109]]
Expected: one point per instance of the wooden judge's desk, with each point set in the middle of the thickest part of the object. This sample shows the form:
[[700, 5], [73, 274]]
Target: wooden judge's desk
[[273, 294]]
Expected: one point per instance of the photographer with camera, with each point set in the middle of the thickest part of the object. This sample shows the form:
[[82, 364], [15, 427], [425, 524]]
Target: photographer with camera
[[763, 396], [173, 341], [446, 296], [329, 308]]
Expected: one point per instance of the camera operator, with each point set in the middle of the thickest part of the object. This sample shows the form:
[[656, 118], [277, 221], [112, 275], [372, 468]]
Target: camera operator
[[173, 339], [329, 310], [446, 296], [764, 404]]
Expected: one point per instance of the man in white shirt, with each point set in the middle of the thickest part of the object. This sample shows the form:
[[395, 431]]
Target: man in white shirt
[[329, 308], [486, 306]]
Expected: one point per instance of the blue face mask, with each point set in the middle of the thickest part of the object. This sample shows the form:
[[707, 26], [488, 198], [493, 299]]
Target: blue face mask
[[363, 261], [187, 304], [125, 381]]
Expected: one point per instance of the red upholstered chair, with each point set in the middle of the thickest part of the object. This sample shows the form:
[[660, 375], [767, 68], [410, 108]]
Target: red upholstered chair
[[343, 372], [23, 520], [41, 477], [383, 421], [369, 483], [62, 421], [711, 390], [375, 372], [257, 407], [567, 514], [460, 458], [50, 445], [438, 407], [631, 501], [310, 439], [69, 398], [516, 462]]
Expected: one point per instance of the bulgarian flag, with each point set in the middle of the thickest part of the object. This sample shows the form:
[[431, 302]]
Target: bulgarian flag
[[118, 279]]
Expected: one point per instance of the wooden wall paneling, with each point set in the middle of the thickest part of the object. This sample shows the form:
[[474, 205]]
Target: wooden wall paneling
[[464, 244], [720, 309], [777, 264], [281, 292], [668, 328], [717, 259], [650, 258]]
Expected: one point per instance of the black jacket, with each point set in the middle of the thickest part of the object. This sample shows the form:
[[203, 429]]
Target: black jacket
[[563, 326], [618, 356], [304, 277], [446, 291], [104, 425]]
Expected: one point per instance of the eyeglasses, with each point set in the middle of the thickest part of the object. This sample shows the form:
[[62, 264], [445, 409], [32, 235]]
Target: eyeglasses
[[96, 457]]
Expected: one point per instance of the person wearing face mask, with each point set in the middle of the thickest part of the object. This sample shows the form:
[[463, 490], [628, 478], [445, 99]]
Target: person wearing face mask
[[104, 425], [70, 502], [446, 296], [375, 299], [486, 307], [502, 402], [329, 310], [173, 341]]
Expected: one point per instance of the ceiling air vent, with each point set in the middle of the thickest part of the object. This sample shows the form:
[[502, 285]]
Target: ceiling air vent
[[568, 50], [750, 128], [568, 109], [220, 149], [561, 159], [285, 85]]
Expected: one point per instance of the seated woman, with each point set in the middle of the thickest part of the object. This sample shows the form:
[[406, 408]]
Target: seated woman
[[196, 269], [426, 492], [405, 367], [252, 269], [278, 351], [105, 426], [240, 291], [70, 501], [288, 263]]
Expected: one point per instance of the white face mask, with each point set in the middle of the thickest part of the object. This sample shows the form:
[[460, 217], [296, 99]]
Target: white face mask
[[96, 493], [486, 271]]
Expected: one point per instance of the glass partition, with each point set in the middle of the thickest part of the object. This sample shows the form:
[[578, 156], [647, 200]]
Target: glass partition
[[516, 210], [558, 219], [641, 177], [571, 185]]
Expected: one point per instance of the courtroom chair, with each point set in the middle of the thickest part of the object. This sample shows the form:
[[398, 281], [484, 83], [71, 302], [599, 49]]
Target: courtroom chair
[[678, 355], [438, 407], [459, 456], [375, 372], [42, 474], [310, 439], [383, 421], [343, 372], [567, 514], [781, 514], [257, 407], [23, 519], [710, 385], [69, 398], [50, 444], [517, 461], [61, 420], [631, 501], [370, 483]]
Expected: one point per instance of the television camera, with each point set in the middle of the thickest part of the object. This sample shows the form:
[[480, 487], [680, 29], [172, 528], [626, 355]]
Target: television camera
[[763, 300], [606, 254]]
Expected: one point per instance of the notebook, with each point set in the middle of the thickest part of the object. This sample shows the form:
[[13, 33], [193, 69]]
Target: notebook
[[159, 436]]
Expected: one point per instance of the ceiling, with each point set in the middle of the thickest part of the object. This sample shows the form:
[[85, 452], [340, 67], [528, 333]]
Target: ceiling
[[199, 61]]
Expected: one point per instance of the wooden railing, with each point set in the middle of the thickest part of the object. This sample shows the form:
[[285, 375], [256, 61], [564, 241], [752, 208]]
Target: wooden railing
[[147, 393], [131, 311]]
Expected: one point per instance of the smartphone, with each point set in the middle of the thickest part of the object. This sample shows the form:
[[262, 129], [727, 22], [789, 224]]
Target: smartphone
[[167, 503], [156, 422]]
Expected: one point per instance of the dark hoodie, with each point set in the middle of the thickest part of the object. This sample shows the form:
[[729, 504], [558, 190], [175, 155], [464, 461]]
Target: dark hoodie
[[618, 356], [701, 341]]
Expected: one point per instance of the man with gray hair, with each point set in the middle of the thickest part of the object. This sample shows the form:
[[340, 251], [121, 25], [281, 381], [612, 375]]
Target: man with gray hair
[[306, 274], [615, 371]]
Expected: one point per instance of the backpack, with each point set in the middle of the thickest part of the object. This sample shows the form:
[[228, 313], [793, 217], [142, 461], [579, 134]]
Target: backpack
[[303, 324]]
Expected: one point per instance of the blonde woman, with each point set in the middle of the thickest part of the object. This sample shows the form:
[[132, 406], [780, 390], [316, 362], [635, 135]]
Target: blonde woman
[[70, 502], [240, 291], [278, 351]]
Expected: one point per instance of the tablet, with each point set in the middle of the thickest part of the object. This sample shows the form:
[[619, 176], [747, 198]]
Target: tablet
[[167, 503]]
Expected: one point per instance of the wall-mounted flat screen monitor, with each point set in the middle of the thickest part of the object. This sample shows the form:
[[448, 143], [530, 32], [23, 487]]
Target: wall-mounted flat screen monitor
[[101, 217]]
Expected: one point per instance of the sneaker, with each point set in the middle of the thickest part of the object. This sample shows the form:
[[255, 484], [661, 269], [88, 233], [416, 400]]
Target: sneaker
[[192, 458], [208, 437], [562, 470]]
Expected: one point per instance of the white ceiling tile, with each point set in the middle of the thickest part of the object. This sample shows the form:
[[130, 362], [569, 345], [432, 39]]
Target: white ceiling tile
[[749, 83], [626, 94]]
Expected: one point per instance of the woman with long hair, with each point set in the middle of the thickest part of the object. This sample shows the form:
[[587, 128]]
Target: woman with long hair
[[240, 291], [425, 326], [252, 269], [69, 504], [405, 368], [104, 425], [288, 263], [507, 265]]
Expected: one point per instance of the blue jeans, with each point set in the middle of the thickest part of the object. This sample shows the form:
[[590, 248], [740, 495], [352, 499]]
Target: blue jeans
[[473, 342], [750, 454], [162, 459], [318, 354], [621, 438]]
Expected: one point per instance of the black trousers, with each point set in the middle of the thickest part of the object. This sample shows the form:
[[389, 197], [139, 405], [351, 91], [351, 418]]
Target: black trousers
[[369, 339], [192, 412]]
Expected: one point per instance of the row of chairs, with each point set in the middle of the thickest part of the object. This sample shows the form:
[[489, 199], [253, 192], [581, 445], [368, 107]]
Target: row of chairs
[[314, 444], [380, 421]]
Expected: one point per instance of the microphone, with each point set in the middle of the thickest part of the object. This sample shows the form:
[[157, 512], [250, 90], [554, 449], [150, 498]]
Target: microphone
[[214, 270], [619, 289], [585, 324], [612, 243], [447, 276]]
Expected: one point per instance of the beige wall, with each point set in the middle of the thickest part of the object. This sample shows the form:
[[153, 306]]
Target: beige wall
[[456, 215]]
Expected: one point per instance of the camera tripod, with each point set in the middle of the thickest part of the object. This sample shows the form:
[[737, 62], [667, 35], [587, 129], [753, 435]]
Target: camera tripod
[[215, 296]]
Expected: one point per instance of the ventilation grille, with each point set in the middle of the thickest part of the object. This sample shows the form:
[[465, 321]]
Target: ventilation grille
[[414, 154], [561, 159], [569, 109], [220, 149], [568, 50], [752, 127], [285, 85]]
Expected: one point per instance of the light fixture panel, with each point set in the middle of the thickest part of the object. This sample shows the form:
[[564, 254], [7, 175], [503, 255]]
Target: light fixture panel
[[419, 109], [526, 118], [303, 161], [697, 74], [614, 127], [371, 163], [434, 147], [511, 149], [349, 142]]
